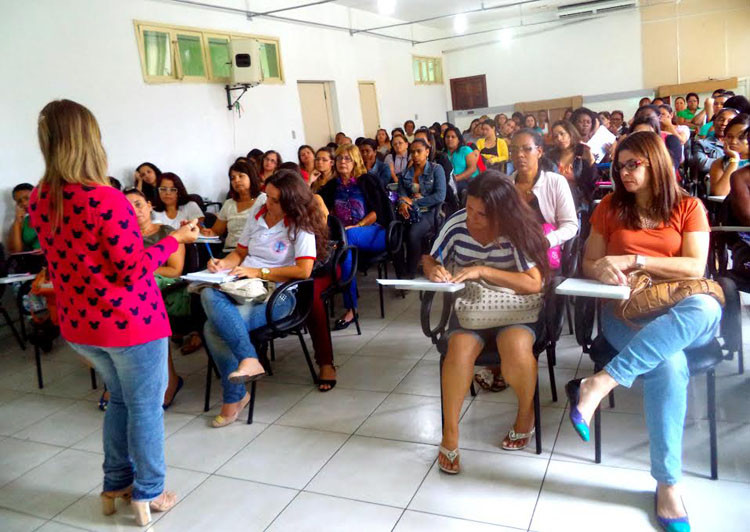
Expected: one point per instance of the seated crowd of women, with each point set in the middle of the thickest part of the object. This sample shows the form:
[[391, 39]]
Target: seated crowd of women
[[464, 220]]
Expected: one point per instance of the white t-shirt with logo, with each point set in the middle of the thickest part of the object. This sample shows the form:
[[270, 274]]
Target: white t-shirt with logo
[[272, 247]]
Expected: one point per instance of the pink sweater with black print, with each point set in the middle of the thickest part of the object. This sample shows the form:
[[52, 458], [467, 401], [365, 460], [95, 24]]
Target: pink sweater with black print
[[103, 277]]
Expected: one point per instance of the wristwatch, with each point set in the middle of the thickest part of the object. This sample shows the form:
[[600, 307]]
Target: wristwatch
[[640, 261], [264, 272]]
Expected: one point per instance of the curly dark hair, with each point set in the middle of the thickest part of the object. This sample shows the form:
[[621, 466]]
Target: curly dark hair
[[299, 205], [501, 198]]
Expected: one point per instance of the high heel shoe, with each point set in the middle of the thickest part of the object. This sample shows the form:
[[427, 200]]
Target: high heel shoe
[[674, 524], [143, 509], [180, 383], [108, 499], [573, 391]]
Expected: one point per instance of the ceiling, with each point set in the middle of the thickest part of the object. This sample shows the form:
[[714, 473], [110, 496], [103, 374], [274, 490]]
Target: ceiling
[[495, 12]]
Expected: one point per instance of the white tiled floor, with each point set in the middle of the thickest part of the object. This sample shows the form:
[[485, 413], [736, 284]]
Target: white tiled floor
[[362, 457]]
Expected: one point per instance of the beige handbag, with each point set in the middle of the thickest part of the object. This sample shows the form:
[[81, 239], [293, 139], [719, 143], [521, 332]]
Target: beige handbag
[[481, 305], [650, 298]]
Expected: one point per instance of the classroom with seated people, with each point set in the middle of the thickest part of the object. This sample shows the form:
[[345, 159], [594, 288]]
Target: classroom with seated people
[[375, 265]]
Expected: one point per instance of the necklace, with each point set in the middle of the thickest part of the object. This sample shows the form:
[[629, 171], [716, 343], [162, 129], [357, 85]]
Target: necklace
[[646, 221]]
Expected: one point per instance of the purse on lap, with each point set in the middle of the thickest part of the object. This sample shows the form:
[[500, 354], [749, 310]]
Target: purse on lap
[[650, 298], [481, 305]]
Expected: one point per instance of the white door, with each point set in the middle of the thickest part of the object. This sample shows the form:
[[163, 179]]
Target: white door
[[368, 99], [316, 113]]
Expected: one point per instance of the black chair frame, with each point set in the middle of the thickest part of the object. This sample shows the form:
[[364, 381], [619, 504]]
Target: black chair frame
[[293, 324], [700, 360], [394, 243], [489, 355]]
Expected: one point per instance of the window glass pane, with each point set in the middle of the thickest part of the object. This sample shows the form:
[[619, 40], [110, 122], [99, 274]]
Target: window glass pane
[[157, 51], [269, 60], [416, 69], [431, 69], [425, 76], [191, 55], [218, 50]]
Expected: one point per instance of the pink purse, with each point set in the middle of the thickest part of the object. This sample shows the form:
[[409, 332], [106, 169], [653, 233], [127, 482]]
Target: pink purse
[[554, 253]]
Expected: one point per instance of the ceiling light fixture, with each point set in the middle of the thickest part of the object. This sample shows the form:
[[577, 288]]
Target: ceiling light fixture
[[505, 37], [460, 23], [386, 7]]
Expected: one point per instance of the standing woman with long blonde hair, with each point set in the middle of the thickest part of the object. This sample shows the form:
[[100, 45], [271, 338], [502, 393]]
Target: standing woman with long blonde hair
[[111, 310]]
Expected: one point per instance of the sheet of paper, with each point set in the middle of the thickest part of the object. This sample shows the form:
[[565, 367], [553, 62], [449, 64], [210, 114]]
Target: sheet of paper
[[17, 278], [601, 138], [206, 276], [208, 239], [421, 284], [590, 288], [730, 229]]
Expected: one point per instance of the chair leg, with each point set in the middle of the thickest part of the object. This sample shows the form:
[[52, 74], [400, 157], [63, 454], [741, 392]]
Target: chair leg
[[612, 399], [711, 392], [472, 389], [380, 290], [307, 358], [551, 367], [251, 408], [13, 329], [38, 358], [741, 360], [568, 316], [273, 351], [538, 419], [92, 373], [598, 435], [356, 323], [22, 320]]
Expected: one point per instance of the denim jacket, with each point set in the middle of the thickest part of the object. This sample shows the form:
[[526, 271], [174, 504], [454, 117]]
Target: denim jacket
[[431, 186]]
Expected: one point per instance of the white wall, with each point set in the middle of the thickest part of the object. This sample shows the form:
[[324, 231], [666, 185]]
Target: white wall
[[86, 50], [592, 57]]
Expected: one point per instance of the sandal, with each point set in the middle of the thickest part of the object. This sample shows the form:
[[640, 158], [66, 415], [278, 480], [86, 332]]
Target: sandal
[[514, 436], [328, 382], [103, 403], [452, 456], [484, 378], [191, 343], [498, 384]]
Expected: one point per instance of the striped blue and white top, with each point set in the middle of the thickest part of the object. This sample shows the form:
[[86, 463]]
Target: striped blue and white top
[[454, 246]]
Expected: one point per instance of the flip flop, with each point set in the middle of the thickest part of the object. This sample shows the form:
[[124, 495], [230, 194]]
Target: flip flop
[[452, 456], [514, 436]]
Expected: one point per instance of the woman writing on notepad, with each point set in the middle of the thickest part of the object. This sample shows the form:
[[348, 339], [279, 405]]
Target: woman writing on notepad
[[649, 223], [283, 235], [111, 311], [495, 239]]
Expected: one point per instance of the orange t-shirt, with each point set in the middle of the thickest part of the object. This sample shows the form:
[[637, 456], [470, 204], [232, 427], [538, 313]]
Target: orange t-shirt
[[664, 241]]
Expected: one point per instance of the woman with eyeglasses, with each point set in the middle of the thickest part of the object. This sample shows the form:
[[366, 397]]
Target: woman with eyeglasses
[[270, 163], [172, 204], [359, 200], [398, 159], [649, 223]]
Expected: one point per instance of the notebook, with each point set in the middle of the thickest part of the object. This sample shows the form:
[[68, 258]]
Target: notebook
[[206, 276], [590, 288], [421, 284]]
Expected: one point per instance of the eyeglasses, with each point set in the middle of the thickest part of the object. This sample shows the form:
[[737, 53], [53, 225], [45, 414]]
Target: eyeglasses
[[168, 190], [524, 149], [630, 165], [343, 159]]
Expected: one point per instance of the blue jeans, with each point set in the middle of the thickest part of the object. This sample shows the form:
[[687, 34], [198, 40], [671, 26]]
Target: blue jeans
[[657, 352], [136, 378], [369, 239], [227, 333]]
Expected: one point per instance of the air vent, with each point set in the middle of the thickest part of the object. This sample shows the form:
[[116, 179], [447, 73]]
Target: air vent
[[594, 7]]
